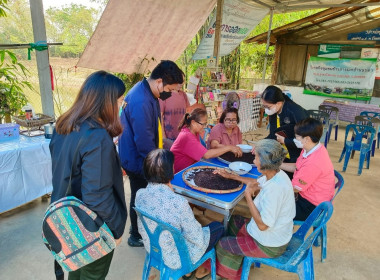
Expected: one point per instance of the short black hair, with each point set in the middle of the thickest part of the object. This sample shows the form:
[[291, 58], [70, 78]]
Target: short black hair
[[169, 72], [309, 127], [273, 94], [158, 166], [229, 110]]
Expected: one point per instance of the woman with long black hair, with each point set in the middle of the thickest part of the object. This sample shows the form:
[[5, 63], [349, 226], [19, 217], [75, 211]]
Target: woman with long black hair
[[95, 168]]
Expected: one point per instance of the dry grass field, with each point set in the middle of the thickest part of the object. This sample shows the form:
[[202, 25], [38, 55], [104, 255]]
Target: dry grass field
[[67, 82]]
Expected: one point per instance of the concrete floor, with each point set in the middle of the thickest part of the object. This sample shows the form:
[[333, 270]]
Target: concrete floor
[[353, 233]]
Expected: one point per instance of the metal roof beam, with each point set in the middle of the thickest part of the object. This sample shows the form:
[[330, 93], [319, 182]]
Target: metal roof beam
[[322, 6], [262, 4]]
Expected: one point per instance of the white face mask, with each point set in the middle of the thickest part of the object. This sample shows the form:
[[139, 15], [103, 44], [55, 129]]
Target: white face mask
[[298, 143], [270, 112]]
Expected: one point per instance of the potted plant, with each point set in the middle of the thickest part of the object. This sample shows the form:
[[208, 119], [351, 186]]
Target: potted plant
[[13, 79]]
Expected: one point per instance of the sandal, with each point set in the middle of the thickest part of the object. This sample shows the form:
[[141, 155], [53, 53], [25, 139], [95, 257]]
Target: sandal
[[184, 277], [204, 277]]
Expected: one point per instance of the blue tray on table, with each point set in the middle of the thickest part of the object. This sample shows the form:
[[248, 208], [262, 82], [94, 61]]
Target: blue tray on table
[[224, 201]]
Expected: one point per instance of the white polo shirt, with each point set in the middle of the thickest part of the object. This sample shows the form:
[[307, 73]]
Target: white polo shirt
[[276, 205]]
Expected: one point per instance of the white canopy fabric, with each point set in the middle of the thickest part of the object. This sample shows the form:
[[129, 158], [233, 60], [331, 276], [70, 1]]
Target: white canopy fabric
[[130, 33]]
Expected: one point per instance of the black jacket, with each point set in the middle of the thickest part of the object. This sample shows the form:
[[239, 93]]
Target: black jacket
[[97, 179], [291, 114]]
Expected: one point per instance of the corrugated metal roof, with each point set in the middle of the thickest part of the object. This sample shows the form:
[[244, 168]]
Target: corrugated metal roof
[[328, 25]]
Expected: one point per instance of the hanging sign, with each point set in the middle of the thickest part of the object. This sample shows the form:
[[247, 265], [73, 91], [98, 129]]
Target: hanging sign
[[238, 20], [343, 78], [368, 35]]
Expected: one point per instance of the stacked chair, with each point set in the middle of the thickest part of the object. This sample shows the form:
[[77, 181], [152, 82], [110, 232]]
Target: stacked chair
[[334, 118], [362, 137], [324, 118]]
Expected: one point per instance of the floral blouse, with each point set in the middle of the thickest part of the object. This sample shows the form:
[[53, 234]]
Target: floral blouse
[[162, 203]]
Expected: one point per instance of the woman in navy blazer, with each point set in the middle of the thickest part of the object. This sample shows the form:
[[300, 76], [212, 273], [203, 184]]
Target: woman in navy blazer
[[97, 179]]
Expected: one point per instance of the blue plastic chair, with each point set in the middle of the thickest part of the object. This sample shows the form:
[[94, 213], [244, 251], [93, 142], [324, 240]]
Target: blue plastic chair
[[370, 114], [331, 110], [298, 257], [370, 121], [154, 258], [322, 238], [324, 118], [376, 119], [359, 132]]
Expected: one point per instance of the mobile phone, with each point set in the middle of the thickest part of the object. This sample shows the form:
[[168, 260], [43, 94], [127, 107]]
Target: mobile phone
[[281, 133]]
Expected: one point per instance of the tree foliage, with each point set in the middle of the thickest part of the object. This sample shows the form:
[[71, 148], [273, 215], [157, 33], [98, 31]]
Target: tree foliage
[[13, 78], [73, 25]]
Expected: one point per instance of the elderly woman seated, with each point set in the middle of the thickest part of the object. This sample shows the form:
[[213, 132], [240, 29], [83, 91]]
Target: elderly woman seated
[[313, 178], [267, 233], [159, 200]]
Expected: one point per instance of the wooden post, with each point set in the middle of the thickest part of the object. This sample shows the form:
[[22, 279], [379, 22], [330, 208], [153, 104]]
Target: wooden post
[[218, 23], [268, 43], [276, 63], [39, 33]]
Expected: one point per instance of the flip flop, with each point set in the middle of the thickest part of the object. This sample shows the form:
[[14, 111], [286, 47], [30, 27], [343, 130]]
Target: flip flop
[[204, 277], [184, 277]]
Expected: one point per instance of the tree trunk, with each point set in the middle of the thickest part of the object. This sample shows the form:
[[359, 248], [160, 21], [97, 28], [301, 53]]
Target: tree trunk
[[8, 118]]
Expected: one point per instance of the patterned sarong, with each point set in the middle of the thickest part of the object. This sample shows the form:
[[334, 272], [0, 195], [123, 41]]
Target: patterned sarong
[[231, 250]]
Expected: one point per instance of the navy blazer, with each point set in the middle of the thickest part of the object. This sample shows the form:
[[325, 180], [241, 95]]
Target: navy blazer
[[291, 114], [97, 178], [140, 127]]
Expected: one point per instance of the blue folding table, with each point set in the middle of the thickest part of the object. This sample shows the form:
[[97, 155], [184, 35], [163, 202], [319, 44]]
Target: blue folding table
[[220, 203]]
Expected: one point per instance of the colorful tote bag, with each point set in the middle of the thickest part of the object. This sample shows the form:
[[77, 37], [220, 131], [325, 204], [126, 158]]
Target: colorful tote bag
[[74, 234]]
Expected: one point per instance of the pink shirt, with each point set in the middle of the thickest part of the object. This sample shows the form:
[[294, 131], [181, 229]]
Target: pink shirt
[[314, 176], [187, 149], [219, 133], [173, 110]]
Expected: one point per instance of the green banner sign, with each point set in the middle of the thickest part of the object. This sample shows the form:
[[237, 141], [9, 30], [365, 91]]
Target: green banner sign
[[342, 78]]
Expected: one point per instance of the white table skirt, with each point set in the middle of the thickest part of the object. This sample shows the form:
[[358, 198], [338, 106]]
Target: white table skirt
[[25, 171]]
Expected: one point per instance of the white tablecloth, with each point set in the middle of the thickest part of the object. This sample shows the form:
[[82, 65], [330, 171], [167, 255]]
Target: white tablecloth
[[25, 171]]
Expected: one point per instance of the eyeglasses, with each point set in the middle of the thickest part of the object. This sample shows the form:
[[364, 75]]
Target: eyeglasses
[[202, 124], [230, 120], [267, 107]]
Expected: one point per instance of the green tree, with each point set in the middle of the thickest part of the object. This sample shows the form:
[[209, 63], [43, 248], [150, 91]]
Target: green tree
[[73, 25], [16, 27], [3, 8]]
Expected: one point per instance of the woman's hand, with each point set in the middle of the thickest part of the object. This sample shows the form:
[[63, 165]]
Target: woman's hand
[[280, 139], [236, 150], [224, 173], [252, 189]]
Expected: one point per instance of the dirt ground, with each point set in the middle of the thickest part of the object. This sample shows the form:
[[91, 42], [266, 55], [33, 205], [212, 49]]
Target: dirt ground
[[353, 246]]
